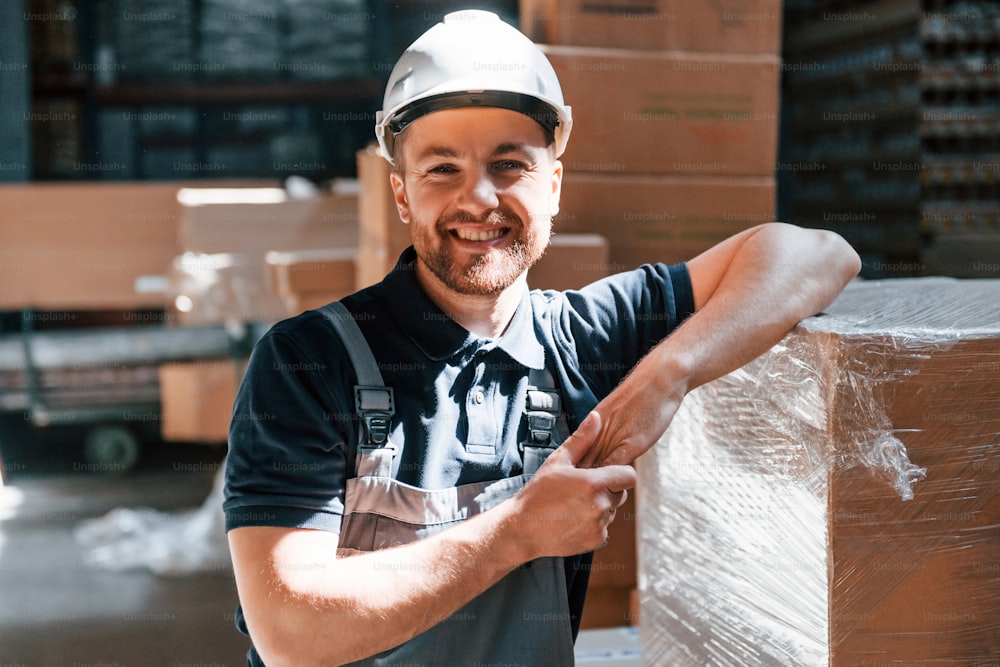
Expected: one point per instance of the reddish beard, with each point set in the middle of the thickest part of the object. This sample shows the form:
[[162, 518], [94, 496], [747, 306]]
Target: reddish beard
[[486, 274]]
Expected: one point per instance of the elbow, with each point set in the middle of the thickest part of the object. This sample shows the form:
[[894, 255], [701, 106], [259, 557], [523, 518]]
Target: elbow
[[285, 638], [293, 651], [837, 264], [845, 258], [275, 647], [841, 261]]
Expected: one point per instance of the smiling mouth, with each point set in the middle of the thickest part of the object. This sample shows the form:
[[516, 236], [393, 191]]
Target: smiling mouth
[[480, 235]]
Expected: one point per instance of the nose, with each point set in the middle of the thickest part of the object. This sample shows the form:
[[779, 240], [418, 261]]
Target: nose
[[479, 194]]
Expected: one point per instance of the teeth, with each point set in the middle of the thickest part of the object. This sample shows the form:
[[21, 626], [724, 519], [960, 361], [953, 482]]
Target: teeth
[[472, 235]]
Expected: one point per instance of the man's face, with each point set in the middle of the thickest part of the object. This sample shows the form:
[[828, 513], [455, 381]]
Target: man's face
[[479, 187]]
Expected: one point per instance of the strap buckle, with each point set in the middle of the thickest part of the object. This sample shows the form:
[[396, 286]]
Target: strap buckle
[[376, 406]]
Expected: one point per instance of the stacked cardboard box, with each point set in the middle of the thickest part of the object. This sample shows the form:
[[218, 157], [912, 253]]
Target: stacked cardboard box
[[663, 218], [225, 235], [308, 279], [381, 234], [197, 399], [647, 123], [83, 247], [663, 93], [665, 112], [889, 127], [249, 254], [744, 26], [836, 501], [570, 262]]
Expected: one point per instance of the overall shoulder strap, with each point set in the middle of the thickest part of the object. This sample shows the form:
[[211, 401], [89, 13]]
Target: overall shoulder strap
[[547, 427], [373, 401]]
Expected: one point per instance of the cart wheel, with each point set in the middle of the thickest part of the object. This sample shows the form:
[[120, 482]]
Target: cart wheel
[[113, 448]]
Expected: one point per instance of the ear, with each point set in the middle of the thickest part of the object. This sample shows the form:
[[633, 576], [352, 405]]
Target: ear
[[557, 174], [399, 194]]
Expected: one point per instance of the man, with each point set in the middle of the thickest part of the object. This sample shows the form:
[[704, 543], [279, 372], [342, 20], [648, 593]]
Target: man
[[449, 542]]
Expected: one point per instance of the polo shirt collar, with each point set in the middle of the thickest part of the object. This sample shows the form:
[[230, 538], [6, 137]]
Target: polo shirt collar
[[439, 336]]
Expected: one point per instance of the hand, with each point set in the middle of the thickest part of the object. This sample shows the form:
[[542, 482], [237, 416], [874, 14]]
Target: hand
[[636, 413], [565, 510]]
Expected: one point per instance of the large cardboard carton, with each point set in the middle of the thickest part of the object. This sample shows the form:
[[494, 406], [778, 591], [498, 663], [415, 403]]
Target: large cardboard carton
[[197, 400], [256, 220], [719, 26], [319, 270], [661, 218], [226, 234], [83, 246], [223, 288], [648, 112], [308, 279], [835, 502], [613, 573], [570, 262], [382, 236]]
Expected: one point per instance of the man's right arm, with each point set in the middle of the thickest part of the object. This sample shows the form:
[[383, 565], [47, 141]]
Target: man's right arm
[[304, 605]]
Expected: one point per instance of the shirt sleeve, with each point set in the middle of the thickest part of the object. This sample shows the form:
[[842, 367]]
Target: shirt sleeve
[[287, 457], [614, 322]]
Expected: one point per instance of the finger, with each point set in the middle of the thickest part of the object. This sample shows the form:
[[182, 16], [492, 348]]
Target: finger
[[613, 478], [596, 452], [582, 438]]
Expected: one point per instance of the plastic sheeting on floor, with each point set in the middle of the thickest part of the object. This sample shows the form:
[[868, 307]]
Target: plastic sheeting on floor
[[165, 543]]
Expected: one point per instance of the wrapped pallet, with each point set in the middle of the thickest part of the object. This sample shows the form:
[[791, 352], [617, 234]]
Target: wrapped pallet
[[837, 501]]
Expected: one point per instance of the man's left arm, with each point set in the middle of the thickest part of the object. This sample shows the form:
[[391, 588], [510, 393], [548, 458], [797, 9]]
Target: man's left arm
[[749, 291]]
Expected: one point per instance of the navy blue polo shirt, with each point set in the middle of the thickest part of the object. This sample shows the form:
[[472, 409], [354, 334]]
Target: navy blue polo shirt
[[459, 398]]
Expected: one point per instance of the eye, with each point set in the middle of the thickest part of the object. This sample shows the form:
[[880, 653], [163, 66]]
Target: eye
[[507, 166], [442, 169]]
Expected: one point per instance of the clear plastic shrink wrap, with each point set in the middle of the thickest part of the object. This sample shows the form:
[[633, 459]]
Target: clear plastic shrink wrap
[[835, 502]]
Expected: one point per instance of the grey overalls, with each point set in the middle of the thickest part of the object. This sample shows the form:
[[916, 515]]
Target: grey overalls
[[521, 621]]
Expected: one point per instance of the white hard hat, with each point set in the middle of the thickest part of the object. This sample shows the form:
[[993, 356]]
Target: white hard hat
[[472, 58]]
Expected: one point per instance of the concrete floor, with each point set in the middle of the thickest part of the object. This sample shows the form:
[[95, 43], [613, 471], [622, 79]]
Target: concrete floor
[[55, 611]]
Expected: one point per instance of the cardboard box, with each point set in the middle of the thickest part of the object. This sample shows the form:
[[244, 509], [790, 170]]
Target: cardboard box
[[613, 573], [304, 301], [834, 502], [606, 607], [257, 220], [223, 288], [661, 218], [197, 400], [83, 246], [382, 236], [570, 262], [646, 112], [322, 270], [308, 279], [226, 235], [614, 565], [720, 26]]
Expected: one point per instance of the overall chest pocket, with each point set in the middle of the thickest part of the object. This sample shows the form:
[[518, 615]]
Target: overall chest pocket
[[381, 512]]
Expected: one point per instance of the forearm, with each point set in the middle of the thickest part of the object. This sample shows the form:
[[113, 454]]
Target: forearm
[[777, 276], [749, 292], [315, 609]]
